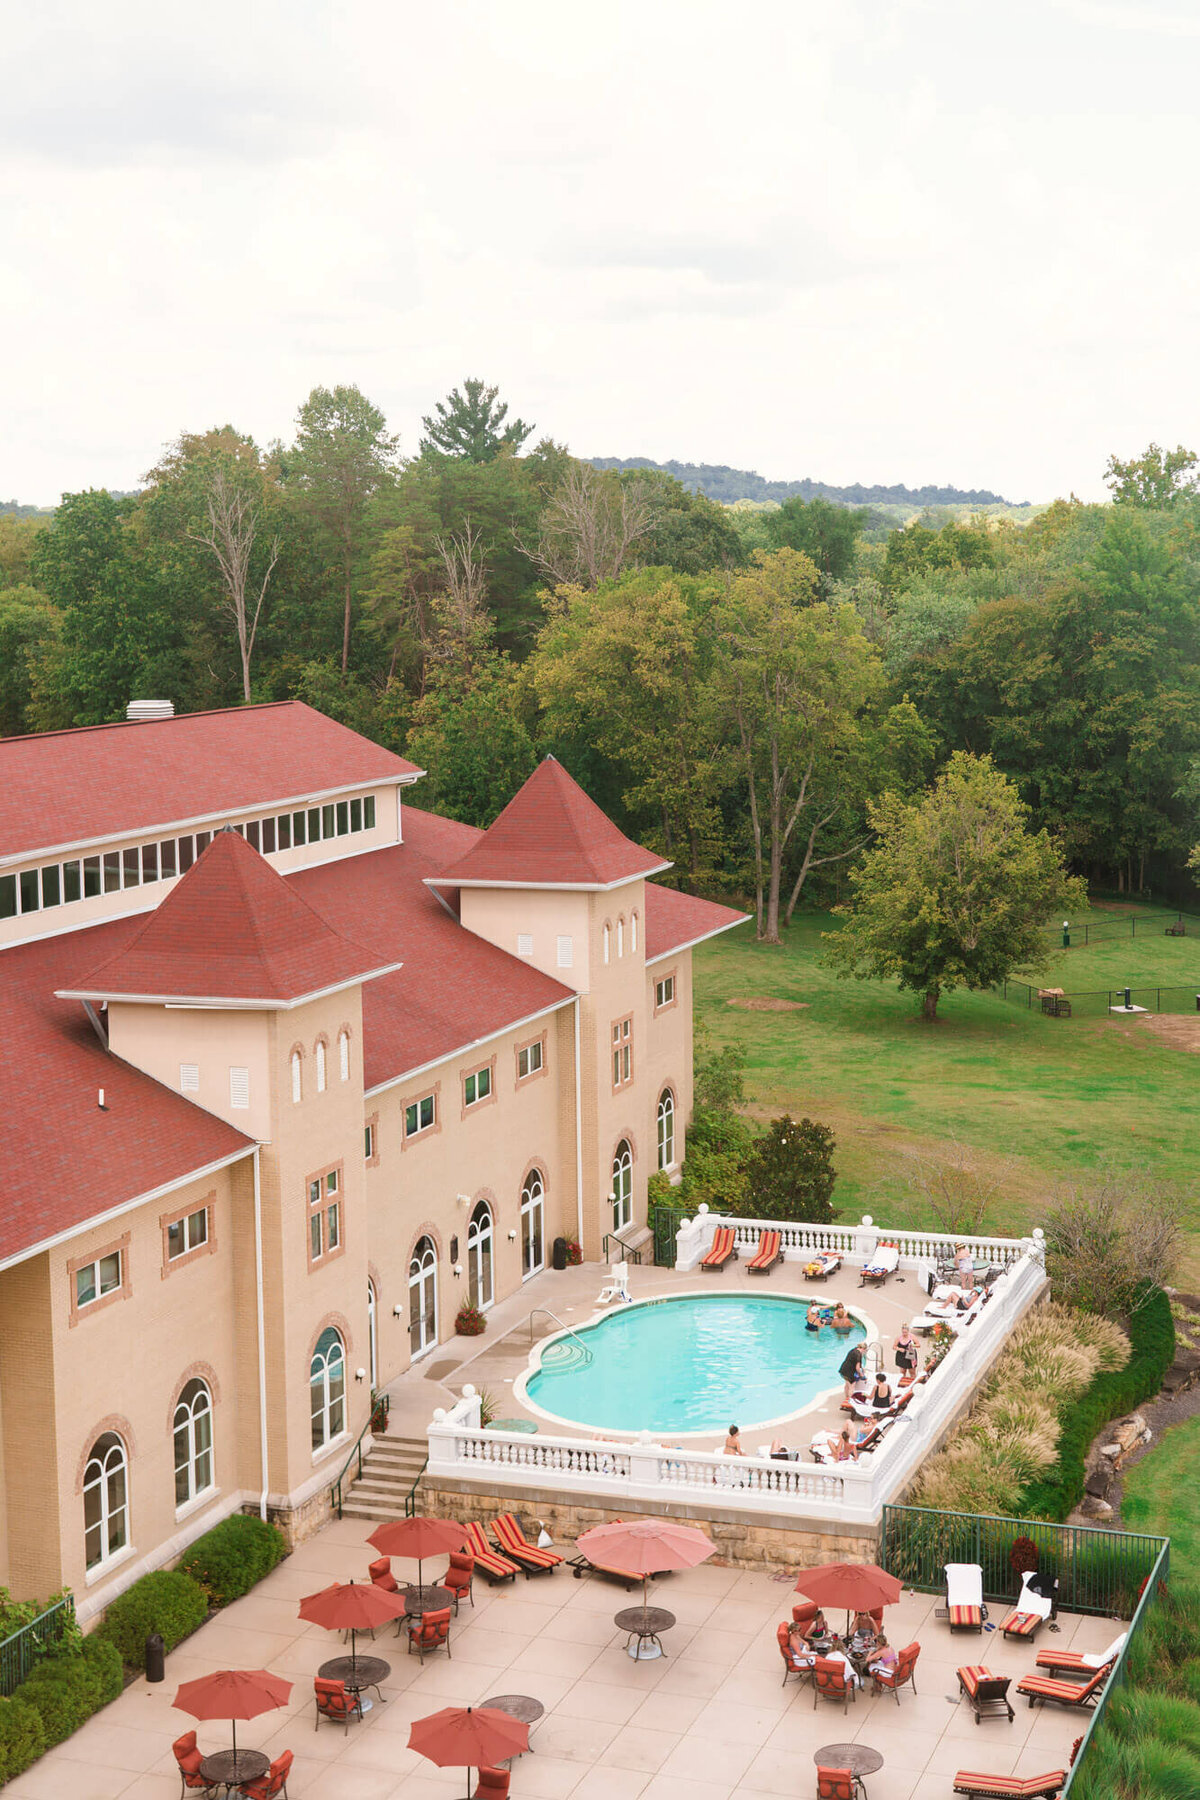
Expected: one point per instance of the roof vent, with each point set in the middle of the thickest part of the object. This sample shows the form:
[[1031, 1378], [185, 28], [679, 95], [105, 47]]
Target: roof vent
[[140, 712]]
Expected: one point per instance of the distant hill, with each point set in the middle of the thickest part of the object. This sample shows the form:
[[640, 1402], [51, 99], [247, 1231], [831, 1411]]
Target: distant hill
[[722, 483], [12, 509]]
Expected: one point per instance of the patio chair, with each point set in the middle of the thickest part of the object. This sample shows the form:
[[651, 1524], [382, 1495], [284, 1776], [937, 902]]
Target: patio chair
[[496, 1568], [381, 1575], [1072, 1662], [885, 1260], [831, 1678], [1009, 1787], [839, 1784], [987, 1693], [784, 1640], [901, 1675], [805, 1613], [769, 1252], [512, 1542], [964, 1596], [431, 1632], [824, 1264], [460, 1577], [492, 1784], [724, 1249], [333, 1702], [273, 1782], [617, 1285], [1065, 1693], [189, 1759]]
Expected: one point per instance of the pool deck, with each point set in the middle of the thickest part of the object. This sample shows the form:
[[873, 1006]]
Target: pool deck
[[493, 1363]]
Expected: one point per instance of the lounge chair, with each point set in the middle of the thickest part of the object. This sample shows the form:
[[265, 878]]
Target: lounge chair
[[1071, 1662], [885, 1260], [1066, 1693], [512, 1542], [964, 1596], [1009, 1787], [824, 1264], [769, 1252], [496, 1568], [724, 1249], [431, 1632], [987, 1693], [823, 1447], [1029, 1614], [892, 1680], [839, 1784], [583, 1565]]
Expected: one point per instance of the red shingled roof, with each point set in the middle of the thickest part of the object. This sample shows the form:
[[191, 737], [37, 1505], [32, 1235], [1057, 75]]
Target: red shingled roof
[[674, 920], [550, 835], [233, 929], [74, 787]]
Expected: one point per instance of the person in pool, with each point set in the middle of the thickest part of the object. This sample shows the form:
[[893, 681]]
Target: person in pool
[[841, 1320], [813, 1320], [733, 1443], [851, 1370]]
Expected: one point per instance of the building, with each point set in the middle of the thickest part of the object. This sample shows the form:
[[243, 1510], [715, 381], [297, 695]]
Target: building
[[290, 1069]]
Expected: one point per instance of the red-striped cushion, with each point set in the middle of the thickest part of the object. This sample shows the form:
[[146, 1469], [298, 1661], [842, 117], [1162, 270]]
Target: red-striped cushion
[[969, 1781], [486, 1558], [1065, 1659], [768, 1248], [971, 1676], [966, 1615], [1049, 1689], [513, 1539], [1021, 1624]]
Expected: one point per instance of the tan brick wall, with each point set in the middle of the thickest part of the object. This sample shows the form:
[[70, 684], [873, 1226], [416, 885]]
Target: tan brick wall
[[31, 1426]]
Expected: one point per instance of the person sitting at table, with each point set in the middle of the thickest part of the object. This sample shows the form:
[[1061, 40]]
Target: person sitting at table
[[841, 1320], [813, 1320], [881, 1393], [800, 1656], [817, 1630], [864, 1633], [853, 1678], [883, 1657], [847, 1445]]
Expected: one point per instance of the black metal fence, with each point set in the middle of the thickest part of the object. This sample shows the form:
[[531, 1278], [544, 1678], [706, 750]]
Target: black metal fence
[[19, 1651], [1155, 922], [1097, 1003]]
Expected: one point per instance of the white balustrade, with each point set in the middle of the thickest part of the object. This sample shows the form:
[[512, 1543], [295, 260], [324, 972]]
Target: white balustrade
[[801, 1242]]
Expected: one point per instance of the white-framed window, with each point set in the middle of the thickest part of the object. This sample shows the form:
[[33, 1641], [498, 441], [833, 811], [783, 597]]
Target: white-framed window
[[189, 1078], [373, 1333], [622, 1053], [480, 1290], [529, 1059], [666, 1129], [664, 992], [533, 1228], [297, 1078], [96, 1279], [239, 1089], [368, 1142], [477, 1085], [327, 1388], [565, 953], [633, 931], [620, 937], [422, 1298], [524, 943], [324, 1215], [321, 1070], [105, 1500], [622, 1186], [344, 1055], [420, 1115], [606, 940], [187, 1234], [193, 1443]]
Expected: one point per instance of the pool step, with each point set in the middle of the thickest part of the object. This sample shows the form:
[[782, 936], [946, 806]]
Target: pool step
[[564, 1357]]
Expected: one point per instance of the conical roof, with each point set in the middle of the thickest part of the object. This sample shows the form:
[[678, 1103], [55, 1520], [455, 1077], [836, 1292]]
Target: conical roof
[[550, 835], [234, 931]]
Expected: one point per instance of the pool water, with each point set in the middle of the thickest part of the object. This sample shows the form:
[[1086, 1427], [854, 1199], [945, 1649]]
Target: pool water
[[696, 1364]]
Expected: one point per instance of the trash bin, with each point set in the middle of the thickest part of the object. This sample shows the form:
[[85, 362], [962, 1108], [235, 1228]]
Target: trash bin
[[155, 1657], [559, 1253]]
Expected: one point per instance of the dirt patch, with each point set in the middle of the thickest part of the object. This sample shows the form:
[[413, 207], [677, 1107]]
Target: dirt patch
[[1180, 1032], [769, 1003]]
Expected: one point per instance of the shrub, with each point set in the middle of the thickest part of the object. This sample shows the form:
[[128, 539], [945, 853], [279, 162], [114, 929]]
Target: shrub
[[22, 1737], [66, 1689], [234, 1556], [167, 1601], [718, 1145], [105, 1660], [469, 1321], [790, 1173]]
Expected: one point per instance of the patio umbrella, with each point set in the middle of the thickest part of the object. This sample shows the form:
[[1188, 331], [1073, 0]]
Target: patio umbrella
[[233, 1694], [470, 1737], [352, 1606], [417, 1539], [859, 1587], [645, 1546]]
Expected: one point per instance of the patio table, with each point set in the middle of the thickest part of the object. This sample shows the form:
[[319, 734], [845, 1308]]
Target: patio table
[[860, 1759], [229, 1768], [425, 1599], [644, 1623], [356, 1673], [524, 1707]]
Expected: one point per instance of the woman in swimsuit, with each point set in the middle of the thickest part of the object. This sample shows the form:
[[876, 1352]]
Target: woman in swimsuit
[[841, 1320], [813, 1320]]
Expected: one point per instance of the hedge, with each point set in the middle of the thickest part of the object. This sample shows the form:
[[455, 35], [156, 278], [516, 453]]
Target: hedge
[[22, 1737], [167, 1601], [234, 1556], [1109, 1395], [66, 1688]]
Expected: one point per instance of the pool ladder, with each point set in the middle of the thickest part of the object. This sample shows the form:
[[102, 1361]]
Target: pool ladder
[[561, 1357]]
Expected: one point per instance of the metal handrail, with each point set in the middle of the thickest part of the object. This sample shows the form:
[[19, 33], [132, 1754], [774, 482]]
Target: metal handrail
[[570, 1331], [19, 1650], [410, 1499], [612, 1237], [336, 1495]]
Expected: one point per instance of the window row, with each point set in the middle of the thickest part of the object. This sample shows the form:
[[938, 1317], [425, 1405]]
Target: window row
[[607, 935], [478, 1085], [107, 1275], [106, 1474], [86, 877], [320, 1065]]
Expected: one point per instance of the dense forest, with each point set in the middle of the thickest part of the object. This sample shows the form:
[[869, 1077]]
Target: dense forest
[[719, 482], [735, 687]]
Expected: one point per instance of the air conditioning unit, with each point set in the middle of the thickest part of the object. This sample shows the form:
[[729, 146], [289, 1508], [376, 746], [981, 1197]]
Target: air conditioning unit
[[141, 712]]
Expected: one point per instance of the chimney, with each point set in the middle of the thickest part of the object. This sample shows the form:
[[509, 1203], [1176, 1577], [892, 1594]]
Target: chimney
[[140, 712]]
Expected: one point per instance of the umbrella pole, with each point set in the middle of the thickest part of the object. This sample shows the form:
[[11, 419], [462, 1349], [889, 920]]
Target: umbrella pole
[[233, 1727], [353, 1647], [645, 1598]]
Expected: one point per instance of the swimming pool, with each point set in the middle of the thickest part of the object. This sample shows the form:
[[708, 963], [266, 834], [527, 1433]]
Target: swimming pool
[[693, 1364]]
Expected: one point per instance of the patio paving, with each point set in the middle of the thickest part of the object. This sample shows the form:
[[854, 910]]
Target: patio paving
[[710, 1721]]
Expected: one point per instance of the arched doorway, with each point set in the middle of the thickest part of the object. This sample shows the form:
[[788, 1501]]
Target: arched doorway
[[533, 1229], [622, 1186], [480, 1290], [422, 1298]]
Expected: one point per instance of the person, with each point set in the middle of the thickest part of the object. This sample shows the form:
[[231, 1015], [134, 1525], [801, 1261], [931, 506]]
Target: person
[[733, 1443], [817, 1630], [799, 1654], [851, 1370], [864, 1632], [841, 1320], [847, 1446], [907, 1350], [780, 1451], [883, 1657], [881, 1393], [964, 1266], [812, 1319]]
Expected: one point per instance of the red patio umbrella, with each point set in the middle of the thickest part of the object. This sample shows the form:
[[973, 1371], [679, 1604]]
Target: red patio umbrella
[[859, 1587], [352, 1606], [470, 1737], [417, 1539], [233, 1694], [645, 1546]]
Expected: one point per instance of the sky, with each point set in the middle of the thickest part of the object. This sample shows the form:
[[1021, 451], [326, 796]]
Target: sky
[[947, 241]]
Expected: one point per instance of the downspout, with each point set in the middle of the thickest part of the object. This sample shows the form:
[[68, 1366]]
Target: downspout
[[262, 1334], [578, 1130]]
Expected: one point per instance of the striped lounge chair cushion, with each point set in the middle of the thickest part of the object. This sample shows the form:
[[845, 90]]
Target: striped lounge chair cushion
[[969, 1781], [768, 1250], [970, 1677], [513, 1542], [1044, 1687], [1070, 1661], [966, 1615], [722, 1248], [486, 1558], [1021, 1624]]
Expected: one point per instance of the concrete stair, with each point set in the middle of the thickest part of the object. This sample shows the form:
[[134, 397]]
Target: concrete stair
[[387, 1479]]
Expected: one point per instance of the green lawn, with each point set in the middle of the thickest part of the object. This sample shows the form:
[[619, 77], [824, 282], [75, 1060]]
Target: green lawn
[[1159, 1495], [1056, 1097]]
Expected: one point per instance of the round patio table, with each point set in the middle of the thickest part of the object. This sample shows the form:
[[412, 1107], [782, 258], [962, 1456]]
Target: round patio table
[[356, 1673], [643, 1624], [518, 1706], [860, 1759], [426, 1599], [229, 1768]]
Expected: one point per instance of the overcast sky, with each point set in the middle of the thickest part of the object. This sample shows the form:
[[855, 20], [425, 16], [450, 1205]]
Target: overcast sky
[[868, 240]]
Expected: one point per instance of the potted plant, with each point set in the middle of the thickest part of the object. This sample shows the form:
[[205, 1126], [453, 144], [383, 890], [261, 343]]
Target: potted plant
[[574, 1254], [469, 1321]]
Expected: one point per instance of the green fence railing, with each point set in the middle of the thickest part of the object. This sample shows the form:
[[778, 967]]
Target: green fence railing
[[20, 1651], [1158, 1575], [1098, 1571]]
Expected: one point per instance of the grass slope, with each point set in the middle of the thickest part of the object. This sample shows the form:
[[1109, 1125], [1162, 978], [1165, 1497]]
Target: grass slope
[[1159, 1495], [1057, 1097]]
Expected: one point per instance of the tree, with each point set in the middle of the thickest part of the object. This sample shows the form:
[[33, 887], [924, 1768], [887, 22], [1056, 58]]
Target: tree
[[790, 1173], [915, 551], [1110, 1243], [592, 525], [955, 892], [792, 676], [690, 534], [470, 736], [1157, 478], [343, 455], [28, 624], [821, 530], [955, 1189], [470, 424]]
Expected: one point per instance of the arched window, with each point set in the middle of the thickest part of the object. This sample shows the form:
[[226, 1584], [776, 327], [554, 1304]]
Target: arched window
[[320, 1065], [422, 1297], [666, 1129], [479, 1257], [193, 1443], [105, 1500], [607, 936], [622, 1186], [373, 1332], [633, 931], [533, 1231], [344, 1054], [327, 1388], [620, 937], [296, 1078]]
